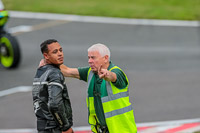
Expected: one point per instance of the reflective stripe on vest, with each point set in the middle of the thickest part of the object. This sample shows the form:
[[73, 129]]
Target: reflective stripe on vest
[[118, 112], [111, 95]]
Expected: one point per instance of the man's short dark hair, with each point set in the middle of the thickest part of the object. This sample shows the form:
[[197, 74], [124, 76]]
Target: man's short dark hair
[[43, 46]]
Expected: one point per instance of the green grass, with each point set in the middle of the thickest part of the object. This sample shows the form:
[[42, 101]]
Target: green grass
[[152, 9]]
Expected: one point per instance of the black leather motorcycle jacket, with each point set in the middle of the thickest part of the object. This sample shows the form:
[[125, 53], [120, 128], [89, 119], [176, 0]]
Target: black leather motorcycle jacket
[[50, 99]]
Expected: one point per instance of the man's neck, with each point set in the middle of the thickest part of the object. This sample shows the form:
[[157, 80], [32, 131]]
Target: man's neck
[[49, 63]]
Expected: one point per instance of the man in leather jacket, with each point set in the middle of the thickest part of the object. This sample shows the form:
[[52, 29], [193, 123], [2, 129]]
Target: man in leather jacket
[[50, 97]]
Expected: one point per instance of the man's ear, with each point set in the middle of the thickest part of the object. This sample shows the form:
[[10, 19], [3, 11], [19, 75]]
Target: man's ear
[[46, 56], [106, 58]]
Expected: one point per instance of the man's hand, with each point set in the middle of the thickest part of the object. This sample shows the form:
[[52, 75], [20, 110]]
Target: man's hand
[[106, 75], [42, 63], [68, 131], [103, 73]]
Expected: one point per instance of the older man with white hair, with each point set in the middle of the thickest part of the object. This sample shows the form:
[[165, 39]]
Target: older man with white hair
[[108, 100]]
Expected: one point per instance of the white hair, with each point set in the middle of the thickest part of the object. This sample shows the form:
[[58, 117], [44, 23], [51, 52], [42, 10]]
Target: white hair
[[101, 48]]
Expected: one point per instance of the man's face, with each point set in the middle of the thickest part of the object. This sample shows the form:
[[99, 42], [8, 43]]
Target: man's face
[[95, 60], [55, 54]]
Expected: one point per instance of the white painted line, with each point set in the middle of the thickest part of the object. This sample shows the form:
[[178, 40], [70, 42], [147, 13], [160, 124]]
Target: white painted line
[[163, 128], [21, 28], [159, 126], [77, 18], [163, 123], [83, 128], [15, 90], [191, 130], [27, 28], [18, 131]]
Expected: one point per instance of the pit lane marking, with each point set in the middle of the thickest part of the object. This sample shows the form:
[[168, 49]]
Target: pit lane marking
[[28, 28], [15, 90], [95, 19]]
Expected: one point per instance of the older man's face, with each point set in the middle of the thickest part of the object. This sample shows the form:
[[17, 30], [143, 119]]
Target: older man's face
[[95, 60]]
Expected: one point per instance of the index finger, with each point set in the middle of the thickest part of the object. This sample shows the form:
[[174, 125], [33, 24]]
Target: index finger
[[99, 70]]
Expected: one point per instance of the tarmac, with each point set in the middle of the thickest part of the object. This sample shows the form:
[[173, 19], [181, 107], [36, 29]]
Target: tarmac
[[161, 59]]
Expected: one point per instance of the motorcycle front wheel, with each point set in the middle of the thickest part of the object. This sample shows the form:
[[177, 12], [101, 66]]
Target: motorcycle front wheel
[[9, 51]]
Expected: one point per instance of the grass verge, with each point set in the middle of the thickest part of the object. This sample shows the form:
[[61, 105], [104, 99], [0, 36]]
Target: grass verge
[[151, 9]]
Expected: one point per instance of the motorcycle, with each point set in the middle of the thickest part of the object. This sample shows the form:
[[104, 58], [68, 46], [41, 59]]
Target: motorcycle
[[9, 46]]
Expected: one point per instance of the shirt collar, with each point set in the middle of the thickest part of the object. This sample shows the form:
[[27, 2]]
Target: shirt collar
[[110, 65]]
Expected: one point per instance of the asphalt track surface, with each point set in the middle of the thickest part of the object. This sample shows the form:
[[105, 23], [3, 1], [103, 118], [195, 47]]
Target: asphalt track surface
[[161, 62]]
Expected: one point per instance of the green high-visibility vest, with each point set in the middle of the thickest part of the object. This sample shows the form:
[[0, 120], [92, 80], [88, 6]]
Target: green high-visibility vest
[[117, 109]]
